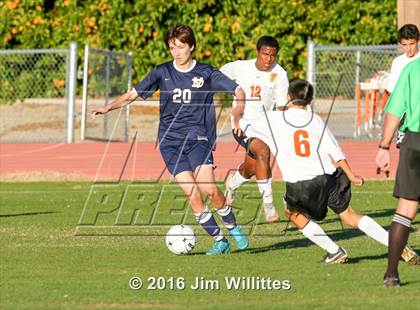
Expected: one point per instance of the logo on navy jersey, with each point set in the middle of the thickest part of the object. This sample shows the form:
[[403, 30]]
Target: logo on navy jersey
[[199, 138], [197, 82]]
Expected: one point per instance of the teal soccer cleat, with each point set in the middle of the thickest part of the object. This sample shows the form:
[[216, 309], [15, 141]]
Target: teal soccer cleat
[[220, 247], [239, 236]]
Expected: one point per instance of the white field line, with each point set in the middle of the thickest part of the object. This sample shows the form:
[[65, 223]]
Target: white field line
[[145, 190], [34, 151]]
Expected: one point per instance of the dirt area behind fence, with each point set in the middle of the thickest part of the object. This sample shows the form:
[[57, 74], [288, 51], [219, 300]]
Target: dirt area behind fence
[[46, 121]]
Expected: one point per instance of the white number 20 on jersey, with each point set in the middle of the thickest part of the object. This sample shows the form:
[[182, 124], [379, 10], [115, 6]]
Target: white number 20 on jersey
[[181, 96]]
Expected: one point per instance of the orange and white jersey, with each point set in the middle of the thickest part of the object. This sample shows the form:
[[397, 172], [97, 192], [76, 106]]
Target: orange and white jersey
[[303, 146], [263, 89]]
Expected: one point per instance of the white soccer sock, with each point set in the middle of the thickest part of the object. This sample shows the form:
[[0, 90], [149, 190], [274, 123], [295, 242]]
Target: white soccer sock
[[317, 235], [373, 230], [266, 190], [237, 180]]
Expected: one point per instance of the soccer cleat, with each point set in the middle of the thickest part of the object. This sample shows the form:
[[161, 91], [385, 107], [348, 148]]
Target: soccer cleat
[[271, 214], [410, 257], [340, 257], [230, 192], [239, 236], [392, 281], [219, 247]]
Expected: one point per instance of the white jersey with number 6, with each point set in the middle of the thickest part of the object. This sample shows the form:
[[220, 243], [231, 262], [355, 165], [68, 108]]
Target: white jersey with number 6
[[303, 146], [263, 89]]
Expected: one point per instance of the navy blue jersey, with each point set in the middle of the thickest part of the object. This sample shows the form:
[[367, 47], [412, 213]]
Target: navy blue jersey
[[186, 100]]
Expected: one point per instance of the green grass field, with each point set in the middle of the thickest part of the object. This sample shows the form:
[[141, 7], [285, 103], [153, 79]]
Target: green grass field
[[65, 246]]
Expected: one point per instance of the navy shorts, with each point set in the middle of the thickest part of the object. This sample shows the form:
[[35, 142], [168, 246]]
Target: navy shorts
[[187, 156]]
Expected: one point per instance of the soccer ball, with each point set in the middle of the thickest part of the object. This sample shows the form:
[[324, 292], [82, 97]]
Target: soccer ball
[[180, 239]]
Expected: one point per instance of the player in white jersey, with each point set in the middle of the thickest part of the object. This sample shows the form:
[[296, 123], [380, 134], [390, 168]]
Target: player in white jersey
[[408, 38], [265, 84], [307, 154]]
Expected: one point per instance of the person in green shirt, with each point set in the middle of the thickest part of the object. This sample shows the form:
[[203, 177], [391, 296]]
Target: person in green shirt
[[404, 102]]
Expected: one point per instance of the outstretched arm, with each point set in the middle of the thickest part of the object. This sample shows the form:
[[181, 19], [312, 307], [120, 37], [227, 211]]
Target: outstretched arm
[[121, 101], [330, 146], [355, 179]]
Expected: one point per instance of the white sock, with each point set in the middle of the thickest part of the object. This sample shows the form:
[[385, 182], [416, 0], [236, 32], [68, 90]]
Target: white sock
[[317, 235], [237, 180], [373, 230], [266, 190]]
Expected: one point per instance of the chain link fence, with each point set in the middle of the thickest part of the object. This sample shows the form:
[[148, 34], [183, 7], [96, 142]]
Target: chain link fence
[[37, 94], [38, 91], [353, 65], [107, 74]]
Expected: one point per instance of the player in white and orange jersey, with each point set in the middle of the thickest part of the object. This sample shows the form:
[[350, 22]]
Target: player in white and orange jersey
[[315, 170], [265, 84]]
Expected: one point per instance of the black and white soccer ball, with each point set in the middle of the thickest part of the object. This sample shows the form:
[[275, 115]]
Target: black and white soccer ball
[[180, 239]]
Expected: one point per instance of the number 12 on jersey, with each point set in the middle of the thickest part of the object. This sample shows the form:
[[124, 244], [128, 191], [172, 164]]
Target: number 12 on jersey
[[255, 91], [302, 146]]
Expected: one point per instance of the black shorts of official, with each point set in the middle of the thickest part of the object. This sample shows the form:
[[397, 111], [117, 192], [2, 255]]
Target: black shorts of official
[[245, 142], [407, 181], [312, 197]]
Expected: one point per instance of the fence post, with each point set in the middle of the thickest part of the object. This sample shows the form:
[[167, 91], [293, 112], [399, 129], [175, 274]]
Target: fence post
[[357, 96], [71, 78], [107, 73], [127, 111], [357, 67], [310, 70], [85, 92]]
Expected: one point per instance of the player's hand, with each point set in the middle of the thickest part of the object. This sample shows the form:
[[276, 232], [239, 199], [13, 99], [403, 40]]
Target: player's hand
[[237, 129], [383, 161], [357, 180], [101, 110]]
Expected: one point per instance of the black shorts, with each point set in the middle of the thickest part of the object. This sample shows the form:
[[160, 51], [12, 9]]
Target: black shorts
[[407, 181], [245, 142], [311, 197]]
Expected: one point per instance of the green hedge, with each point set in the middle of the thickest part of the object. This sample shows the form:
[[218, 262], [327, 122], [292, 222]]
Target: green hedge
[[225, 30]]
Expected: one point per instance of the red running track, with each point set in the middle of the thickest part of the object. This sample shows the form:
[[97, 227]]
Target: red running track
[[103, 161]]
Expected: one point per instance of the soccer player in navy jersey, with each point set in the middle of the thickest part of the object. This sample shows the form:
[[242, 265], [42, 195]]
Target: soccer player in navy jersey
[[187, 129]]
